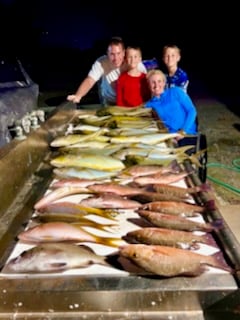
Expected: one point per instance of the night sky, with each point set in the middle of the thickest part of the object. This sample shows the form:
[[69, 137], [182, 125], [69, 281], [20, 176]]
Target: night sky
[[66, 35]]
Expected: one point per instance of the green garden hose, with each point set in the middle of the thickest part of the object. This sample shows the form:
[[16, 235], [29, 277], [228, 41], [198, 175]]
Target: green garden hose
[[235, 167]]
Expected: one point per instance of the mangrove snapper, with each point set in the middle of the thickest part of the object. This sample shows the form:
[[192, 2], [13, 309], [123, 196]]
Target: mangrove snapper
[[174, 207], [169, 261], [168, 237], [170, 221]]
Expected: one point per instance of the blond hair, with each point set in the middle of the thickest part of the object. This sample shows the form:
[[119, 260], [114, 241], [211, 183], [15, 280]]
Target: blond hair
[[156, 72]]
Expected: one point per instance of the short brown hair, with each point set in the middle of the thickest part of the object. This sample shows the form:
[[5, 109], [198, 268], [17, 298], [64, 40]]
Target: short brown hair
[[116, 41]]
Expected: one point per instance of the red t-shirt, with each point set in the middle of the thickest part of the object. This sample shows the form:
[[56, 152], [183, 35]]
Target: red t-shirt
[[132, 91]]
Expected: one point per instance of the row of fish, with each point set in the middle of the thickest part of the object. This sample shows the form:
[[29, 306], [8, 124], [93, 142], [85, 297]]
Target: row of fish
[[92, 165]]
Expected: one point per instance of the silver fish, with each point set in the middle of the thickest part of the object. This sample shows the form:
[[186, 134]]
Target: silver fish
[[53, 257]]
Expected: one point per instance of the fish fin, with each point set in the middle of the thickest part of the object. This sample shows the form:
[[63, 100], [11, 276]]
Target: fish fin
[[210, 205], [111, 242], [220, 262]]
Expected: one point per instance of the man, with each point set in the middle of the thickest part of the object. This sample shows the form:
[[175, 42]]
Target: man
[[106, 71]]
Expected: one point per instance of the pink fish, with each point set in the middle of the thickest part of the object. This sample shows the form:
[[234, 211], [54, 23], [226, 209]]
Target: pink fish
[[59, 193], [166, 178], [140, 170], [115, 188], [73, 182], [62, 231], [110, 201], [68, 207]]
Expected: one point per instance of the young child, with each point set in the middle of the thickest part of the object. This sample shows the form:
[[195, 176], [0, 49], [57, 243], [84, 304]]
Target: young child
[[175, 76], [132, 88]]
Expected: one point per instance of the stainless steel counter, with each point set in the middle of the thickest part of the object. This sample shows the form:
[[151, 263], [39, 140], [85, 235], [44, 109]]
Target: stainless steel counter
[[25, 175]]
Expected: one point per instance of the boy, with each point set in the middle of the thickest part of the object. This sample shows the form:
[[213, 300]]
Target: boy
[[132, 88], [175, 76]]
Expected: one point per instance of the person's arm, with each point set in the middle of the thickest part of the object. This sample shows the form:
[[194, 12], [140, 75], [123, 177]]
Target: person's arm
[[93, 76], [82, 90], [191, 112]]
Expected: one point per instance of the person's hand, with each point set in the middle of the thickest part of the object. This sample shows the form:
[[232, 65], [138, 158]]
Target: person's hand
[[73, 98], [182, 135]]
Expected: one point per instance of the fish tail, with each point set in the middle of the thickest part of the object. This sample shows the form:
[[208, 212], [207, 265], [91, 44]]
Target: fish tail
[[220, 262], [109, 214], [210, 205], [209, 240], [108, 228], [96, 225], [111, 242]]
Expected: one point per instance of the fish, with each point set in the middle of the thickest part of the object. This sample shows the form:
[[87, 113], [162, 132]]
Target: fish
[[97, 120], [115, 188], [59, 193], [76, 147], [168, 261], [110, 201], [83, 173], [175, 208], [166, 178], [145, 170], [75, 208], [180, 191], [106, 151], [151, 138], [85, 160], [151, 196], [130, 122], [115, 110], [71, 139], [53, 257], [170, 221], [73, 182], [132, 160], [169, 237], [71, 218], [137, 159], [150, 153], [61, 232]]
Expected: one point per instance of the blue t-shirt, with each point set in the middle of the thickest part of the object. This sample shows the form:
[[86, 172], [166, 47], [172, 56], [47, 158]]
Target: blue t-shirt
[[176, 109], [179, 79]]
